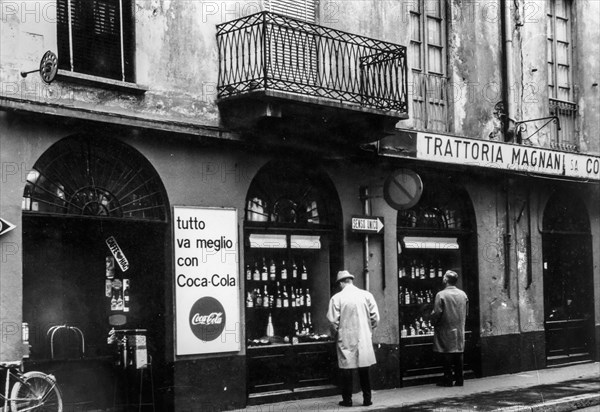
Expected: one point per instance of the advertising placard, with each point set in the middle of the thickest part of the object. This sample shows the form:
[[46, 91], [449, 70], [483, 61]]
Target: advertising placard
[[207, 311]]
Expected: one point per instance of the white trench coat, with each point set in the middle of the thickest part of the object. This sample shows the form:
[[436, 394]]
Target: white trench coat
[[353, 316]]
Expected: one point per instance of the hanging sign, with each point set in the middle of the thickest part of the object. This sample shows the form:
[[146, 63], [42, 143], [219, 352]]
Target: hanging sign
[[367, 224], [115, 249], [5, 226], [206, 258]]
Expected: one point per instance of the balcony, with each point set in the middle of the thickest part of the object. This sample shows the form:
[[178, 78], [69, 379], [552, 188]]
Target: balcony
[[276, 71], [567, 138]]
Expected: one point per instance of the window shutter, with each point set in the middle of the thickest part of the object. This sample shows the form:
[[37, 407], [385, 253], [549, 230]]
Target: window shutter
[[299, 9]]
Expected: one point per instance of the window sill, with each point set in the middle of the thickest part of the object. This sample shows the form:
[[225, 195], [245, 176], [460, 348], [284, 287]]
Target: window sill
[[102, 82]]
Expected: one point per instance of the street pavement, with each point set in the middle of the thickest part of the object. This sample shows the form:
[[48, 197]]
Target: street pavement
[[567, 388]]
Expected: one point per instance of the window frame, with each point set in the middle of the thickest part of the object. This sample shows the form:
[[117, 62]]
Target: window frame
[[66, 40], [552, 60]]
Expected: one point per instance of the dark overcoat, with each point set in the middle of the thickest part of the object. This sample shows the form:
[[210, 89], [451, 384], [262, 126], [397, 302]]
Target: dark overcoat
[[448, 318]]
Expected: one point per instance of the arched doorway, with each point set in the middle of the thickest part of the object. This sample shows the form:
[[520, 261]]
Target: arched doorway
[[435, 235], [568, 280], [292, 239], [95, 218]]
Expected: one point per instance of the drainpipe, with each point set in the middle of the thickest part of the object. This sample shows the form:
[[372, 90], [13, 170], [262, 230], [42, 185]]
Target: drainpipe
[[364, 197]]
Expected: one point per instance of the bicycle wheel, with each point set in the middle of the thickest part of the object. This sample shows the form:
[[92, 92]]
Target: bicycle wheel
[[36, 391]]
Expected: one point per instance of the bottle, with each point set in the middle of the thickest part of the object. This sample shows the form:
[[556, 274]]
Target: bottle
[[259, 298], [304, 273], [272, 270], [411, 331], [406, 297], [270, 329], [249, 300], [440, 271], [266, 298], [308, 298], [119, 300], [298, 298], [304, 324], [293, 298], [310, 325], [413, 270], [302, 301], [422, 271], [286, 300], [256, 273], [294, 270], [401, 273], [283, 270], [113, 301], [107, 288], [278, 300], [296, 328], [125, 295], [264, 274], [431, 270], [403, 332], [248, 273]]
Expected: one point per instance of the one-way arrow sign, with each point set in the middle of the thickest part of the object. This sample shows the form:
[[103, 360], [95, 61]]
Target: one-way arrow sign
[[5, 226], [367, 224]]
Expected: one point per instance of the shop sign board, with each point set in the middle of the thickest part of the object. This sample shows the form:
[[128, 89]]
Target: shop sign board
[[367, 224], [513, 157], [206, 259], [5, 226]]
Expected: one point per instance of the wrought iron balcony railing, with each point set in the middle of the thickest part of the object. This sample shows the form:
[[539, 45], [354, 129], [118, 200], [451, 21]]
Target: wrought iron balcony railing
[[270, 52]]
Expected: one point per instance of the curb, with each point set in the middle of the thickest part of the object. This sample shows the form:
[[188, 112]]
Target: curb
[[571, 403]]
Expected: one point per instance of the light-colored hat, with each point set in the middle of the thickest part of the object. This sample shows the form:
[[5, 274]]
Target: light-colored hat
[[343, 274]]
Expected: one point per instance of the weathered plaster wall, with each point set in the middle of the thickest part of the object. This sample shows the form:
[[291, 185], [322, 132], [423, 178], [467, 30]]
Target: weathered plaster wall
[[587, 33]]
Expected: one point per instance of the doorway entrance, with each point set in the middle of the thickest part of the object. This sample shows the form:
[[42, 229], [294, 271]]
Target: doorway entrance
[[568, 281], [94, 240]]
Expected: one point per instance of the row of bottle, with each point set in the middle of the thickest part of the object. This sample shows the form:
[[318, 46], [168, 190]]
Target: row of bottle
[[417, 269], [301, 328], [262, 273], [118, 292], [407, 296], [418, 327], [280, 298]]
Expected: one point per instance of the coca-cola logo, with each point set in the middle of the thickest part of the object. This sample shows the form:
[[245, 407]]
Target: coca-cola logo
[[207, 318]]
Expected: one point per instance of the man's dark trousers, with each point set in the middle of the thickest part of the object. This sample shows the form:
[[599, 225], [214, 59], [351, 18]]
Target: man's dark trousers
[[453, 362], [365, 384]]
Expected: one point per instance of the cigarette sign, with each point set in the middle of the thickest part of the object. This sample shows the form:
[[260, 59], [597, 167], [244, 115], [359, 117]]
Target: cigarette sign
[[112, 244], [367, 224]]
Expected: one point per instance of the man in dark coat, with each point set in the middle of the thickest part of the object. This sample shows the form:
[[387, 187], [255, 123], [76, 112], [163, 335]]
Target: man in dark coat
[[448, 318]]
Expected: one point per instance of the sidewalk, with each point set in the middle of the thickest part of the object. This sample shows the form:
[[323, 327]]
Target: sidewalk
[[558, 389]]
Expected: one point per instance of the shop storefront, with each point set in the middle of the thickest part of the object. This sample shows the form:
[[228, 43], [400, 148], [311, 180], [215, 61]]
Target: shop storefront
[[435, 235], [292, 232], [94, 234]]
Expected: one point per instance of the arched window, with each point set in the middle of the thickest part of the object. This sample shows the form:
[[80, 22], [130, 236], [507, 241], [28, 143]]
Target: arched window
[[442, 206], [286, 194], [98, 177]]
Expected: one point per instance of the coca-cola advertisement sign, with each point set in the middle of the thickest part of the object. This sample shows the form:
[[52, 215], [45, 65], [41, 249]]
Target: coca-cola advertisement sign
[[207, 318]]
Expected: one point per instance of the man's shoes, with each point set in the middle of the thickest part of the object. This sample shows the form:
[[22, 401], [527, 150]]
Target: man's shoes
[[447, 384], [345, 403], [367, 403]]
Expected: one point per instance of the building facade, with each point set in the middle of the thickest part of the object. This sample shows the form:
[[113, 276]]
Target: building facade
[[197, 172]]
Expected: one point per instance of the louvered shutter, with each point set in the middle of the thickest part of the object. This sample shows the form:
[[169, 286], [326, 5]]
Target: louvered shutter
[[292, 54], [95, 37]]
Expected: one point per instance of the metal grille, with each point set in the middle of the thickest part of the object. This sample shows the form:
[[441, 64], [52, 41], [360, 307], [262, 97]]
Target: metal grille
[[567, 138], [268, 51], [94, 177], [430, 108]]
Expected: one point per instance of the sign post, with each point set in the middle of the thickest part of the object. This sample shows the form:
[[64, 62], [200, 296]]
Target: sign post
[[206, 258], [367, 224]]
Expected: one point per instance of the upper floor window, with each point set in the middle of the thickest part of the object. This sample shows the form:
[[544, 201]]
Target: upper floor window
[[560, 74], [96, 37], [560, 82], [428, 63]]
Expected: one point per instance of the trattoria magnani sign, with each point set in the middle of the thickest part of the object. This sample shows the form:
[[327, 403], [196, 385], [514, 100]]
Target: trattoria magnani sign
[[482, 153], [206, 280]]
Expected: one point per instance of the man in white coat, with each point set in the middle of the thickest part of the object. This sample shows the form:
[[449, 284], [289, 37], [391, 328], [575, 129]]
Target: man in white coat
[[353, 316]]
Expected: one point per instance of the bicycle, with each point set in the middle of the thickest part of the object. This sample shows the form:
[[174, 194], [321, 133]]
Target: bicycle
[[32, 391]]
